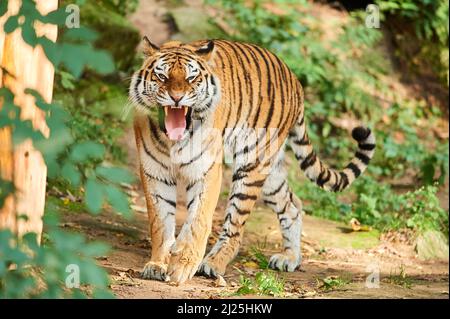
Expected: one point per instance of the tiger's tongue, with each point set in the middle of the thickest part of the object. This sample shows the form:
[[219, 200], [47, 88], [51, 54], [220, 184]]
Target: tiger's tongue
[[175, 123]]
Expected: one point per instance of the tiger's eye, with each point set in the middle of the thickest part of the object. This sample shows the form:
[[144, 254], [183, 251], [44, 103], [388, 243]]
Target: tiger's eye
[[162, 77]]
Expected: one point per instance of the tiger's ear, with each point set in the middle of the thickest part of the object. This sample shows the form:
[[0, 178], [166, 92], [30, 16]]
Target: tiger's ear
[[206, 50], [149, 48]]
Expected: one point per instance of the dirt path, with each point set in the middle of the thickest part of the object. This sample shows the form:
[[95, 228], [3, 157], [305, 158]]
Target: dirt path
[[331, 252]]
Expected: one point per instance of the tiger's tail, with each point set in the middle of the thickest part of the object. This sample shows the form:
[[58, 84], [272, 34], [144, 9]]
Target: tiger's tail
[[318, 172]]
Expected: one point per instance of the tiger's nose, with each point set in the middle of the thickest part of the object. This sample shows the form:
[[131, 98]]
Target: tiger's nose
[[176, 97]]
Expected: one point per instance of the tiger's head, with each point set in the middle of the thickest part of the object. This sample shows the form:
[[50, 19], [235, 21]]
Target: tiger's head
[[176, 78]]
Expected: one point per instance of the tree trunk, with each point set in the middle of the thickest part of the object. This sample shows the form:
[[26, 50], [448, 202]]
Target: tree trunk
[[23, 164]]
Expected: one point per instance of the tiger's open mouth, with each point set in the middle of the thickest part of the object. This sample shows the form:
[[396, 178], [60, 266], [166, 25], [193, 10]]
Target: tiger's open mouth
[[176, 120]]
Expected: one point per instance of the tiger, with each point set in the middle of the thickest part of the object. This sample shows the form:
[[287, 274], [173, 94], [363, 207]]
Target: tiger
[[216, 100]]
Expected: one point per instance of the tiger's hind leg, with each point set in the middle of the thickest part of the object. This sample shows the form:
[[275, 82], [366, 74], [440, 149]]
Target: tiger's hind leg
[[277, 195]]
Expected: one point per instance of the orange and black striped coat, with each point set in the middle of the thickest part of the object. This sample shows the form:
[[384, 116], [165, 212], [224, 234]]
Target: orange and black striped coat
[[221, 99]]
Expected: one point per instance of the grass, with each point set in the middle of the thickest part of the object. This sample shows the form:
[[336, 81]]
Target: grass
[[65, 205], [265, 283], [374, 203], [400, 278], [224, 194], [332, 283], [259, 257]]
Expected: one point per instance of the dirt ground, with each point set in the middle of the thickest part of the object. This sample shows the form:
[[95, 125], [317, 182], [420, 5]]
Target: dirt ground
[[330, 249]]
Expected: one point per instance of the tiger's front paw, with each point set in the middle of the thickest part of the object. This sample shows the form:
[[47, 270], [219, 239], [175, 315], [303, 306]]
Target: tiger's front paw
[[284, 262], [209, 269], [181, 270], [206, 270], [156, 271], [184, 262]]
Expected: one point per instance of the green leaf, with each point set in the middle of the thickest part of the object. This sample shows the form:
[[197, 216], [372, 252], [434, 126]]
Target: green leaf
[[87, 150], [70, 172], [115, 174], [101, 61], [82, 33], [11, 24], [51, 218], [3, 7], [31, 241], [94, 195], [29, 34], [67, 80], [52, 50], [29, 11], [118, 200], [6, 188], [57, 17], [92, 274], [95, 249], [73, 57], [24, 130]]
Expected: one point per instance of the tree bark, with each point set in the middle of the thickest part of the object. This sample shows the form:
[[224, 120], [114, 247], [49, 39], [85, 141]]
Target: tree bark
[[22, 164]]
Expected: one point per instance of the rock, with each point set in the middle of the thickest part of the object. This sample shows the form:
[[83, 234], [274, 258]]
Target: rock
[[432, 245], [192, 24]]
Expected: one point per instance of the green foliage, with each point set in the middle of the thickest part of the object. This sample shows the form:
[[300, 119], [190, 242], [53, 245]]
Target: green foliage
[[123, 7], [260, 258], [332, 283], [79, 161], [431, 24], [339, 75], [27, 269], [378, 205], [265, 283], [91, 106], [96, 110], [66, 80], [401, 147], [422, 210], [430, 17], [107, 18], [6, 188], [74, 51], [324, 71], [400, 278]]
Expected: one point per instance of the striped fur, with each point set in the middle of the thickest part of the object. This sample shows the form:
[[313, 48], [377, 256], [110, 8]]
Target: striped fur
[[243, 103]]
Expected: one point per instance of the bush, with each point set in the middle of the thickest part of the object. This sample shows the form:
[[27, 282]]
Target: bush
[[380, 205], [115, 34], [430, 22], [27, 269]]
